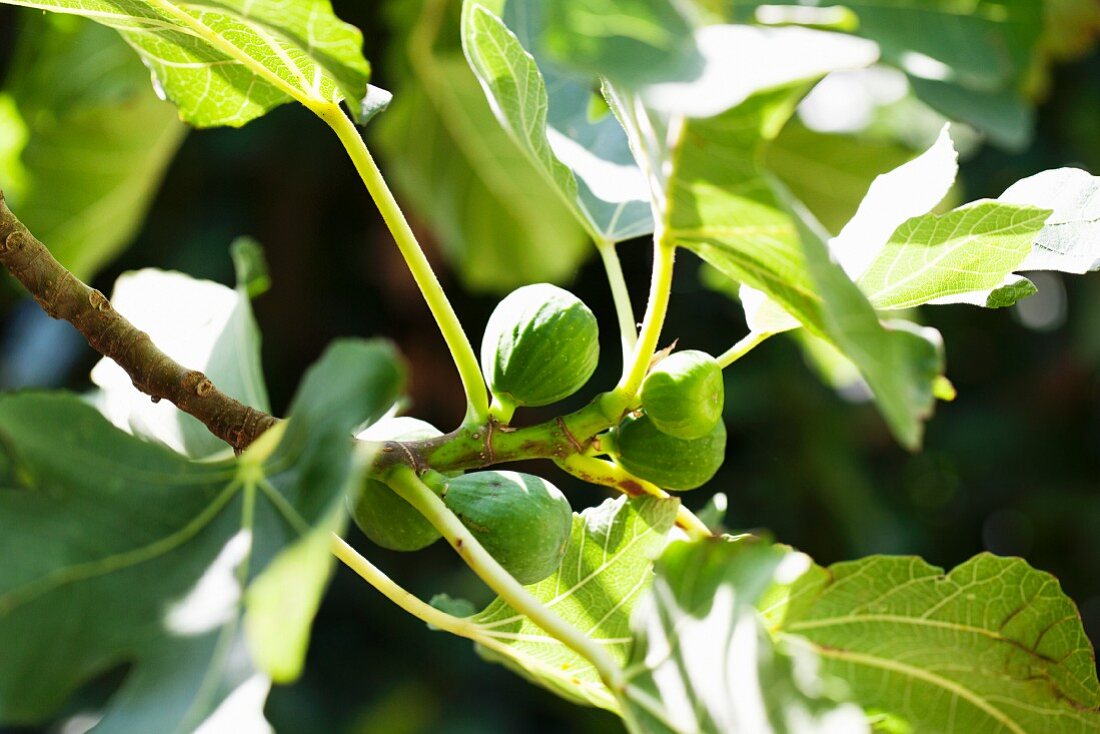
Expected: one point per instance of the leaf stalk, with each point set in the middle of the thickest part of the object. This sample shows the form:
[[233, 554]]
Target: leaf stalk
[[469, 372]]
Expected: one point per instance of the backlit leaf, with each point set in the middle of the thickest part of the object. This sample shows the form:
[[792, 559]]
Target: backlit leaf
[[992, 646], [225, 62], [704, 663]]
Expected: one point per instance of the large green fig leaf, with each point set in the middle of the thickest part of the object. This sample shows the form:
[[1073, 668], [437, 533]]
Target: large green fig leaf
[[204, 576], [225, 62], [499, 222], [83, 139], [991, 646], [607, 565], [703, 662]]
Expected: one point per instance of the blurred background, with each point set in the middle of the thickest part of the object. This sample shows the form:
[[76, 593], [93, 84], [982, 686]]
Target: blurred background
[[1012, 466]]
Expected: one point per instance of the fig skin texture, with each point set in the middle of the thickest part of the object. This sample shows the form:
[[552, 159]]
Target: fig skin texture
[[541, 345], [382, 515], [684, 394], [669, 462], [523, 521]]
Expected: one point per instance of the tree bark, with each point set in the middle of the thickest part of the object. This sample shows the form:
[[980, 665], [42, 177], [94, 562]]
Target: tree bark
[[63, 296]]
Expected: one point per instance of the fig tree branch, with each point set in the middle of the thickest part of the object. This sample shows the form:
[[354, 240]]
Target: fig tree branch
[[63, 296]]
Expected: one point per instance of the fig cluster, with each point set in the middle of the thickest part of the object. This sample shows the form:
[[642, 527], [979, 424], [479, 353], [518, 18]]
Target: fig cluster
[[678, 440], [542, 345], [523, 521]]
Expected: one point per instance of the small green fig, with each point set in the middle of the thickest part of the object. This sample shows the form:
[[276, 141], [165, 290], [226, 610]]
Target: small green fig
[[381, 513], [684, 393], [523, 521], [541, 345], [673, 463]]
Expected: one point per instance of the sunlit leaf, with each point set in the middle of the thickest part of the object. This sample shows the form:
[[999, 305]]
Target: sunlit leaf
[[902, 257], [972, 248], [992, 646], [703, 661], [225, 62], [587, 161], [1070, 241]]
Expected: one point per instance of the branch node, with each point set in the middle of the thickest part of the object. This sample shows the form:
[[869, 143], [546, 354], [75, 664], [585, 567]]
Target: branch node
[[98, 301]]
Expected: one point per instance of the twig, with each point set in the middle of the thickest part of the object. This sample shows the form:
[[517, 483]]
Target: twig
[[63, 296]]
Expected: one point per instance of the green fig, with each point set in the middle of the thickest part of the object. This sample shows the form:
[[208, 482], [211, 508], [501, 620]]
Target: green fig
[[541, 345], [380, 513], [669, 462], [523, 521], [684, 393]]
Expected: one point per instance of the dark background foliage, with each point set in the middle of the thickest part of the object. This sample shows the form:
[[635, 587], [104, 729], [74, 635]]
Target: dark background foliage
[[1012, 466]]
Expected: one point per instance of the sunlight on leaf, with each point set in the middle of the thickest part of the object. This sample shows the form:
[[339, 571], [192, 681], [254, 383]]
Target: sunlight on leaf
[[225, 62], [704, 663], [1070, 241], [993, 645]]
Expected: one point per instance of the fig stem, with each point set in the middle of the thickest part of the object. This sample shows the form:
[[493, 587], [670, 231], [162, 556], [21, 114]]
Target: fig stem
[[411, 603], [469, 372], [664, 258], [628, 327], [751, 340], [408, 601], [397, 594], [405, 482], [609, 474]]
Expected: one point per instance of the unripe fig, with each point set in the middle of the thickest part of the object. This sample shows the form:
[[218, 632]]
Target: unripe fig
[[683, 395], [673, 463], [541, 345], [523, 521], [381, 513]]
